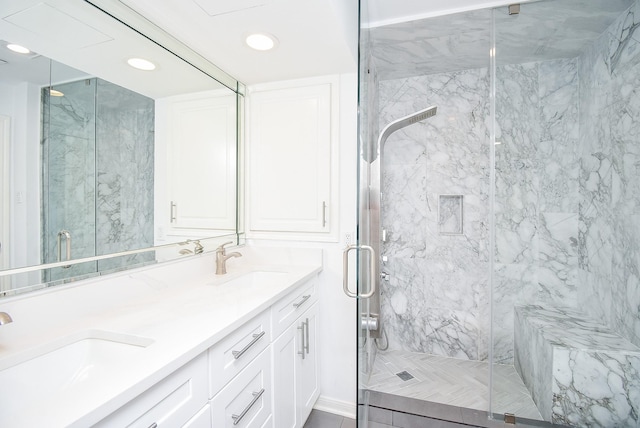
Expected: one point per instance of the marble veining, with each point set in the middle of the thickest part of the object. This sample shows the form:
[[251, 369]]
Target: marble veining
[[98, 174], [542, 31], [609, 256], [567, 209], [435, 297], [579, 372]]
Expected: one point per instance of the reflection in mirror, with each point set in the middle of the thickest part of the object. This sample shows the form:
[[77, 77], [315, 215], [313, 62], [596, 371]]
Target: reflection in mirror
[[97, 157]]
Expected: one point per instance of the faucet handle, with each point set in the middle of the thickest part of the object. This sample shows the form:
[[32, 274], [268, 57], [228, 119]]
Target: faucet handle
[[221, 247]]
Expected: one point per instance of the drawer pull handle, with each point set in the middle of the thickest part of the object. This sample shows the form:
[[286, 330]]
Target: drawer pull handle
[[153, 425], [256, 397], [256, 337], [301, 302]]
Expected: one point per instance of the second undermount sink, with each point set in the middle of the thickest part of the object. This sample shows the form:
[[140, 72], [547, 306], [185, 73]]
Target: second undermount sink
[[53, 368], [256, 278]]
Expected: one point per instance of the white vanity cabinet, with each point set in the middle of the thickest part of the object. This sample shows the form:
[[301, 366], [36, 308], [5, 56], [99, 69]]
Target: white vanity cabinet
[[240, 376], [248, 379], [172, 402], [295, 367]]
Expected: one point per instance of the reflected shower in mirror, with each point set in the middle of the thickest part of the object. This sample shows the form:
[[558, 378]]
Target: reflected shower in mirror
[[97, 157]]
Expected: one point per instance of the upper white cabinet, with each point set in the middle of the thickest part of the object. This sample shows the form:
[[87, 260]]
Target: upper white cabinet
[[198, 133], [292, 159]]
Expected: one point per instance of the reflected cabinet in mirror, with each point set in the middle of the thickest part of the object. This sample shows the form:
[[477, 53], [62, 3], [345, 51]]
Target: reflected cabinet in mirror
[[110, 143]]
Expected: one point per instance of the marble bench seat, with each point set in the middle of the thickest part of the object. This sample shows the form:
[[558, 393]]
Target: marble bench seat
[[579, 372]]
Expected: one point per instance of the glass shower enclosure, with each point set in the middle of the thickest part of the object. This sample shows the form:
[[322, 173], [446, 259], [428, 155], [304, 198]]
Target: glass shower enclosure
[[97, 175], [506, 227]]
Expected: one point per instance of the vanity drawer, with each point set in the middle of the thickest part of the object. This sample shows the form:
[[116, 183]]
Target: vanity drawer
[[285, 311], [233, 353], [246, 400], [169, 403]]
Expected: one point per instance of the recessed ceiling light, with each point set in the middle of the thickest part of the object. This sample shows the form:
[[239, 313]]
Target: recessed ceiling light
[[18, 48], [261, 41], [141, 64], [55, 93]]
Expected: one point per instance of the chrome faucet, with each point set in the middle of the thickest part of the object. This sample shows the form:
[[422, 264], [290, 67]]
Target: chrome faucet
[[5, 318], [222, 257]]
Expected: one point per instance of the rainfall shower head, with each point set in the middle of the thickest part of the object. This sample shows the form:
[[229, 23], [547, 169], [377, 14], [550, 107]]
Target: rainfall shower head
[[404, 122]]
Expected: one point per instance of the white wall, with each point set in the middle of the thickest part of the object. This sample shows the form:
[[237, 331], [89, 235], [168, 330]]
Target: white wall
[[337, 358], [21, 103]]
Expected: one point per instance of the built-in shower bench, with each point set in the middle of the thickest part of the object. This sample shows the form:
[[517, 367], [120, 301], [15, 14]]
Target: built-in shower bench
[[579, 372]]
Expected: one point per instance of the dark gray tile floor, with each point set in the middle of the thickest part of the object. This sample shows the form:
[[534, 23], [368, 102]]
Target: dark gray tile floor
[[319, 419]]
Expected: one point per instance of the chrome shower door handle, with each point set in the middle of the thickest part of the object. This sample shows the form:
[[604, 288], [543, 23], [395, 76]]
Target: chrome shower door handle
[[345, 271], [67, 237]]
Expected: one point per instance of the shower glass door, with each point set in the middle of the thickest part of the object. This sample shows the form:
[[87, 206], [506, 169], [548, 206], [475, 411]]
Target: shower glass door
[[69, 168], [368, 214]]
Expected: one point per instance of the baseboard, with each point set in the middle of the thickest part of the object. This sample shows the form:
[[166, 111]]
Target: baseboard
[[337, 407]]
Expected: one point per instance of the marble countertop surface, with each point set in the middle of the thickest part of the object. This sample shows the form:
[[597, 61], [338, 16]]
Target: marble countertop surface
[[183, 307]]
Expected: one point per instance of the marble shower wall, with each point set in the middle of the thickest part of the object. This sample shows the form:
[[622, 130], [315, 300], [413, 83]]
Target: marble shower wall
[[536, 208], [436, 298], [98, 173], [609, 223]]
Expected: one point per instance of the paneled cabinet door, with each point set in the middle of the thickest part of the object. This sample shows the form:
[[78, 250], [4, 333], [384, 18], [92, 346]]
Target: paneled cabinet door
[[199, 132], [284, 381], [307, 367], [295, 371], [290, 159]]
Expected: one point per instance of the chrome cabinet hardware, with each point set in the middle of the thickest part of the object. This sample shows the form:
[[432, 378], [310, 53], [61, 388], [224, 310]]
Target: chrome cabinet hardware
[[256, 337], [372, 269], [301, 302], [256, 397], [324, 213], [305, 343], [67, 236], [301, 328], [173, 212], [153, 425]]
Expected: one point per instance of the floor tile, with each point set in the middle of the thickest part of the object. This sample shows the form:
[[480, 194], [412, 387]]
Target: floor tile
[[451, 381], [319, 419]]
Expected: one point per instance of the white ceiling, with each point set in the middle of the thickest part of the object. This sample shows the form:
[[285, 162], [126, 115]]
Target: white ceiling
[[71, 32], [315, 37]]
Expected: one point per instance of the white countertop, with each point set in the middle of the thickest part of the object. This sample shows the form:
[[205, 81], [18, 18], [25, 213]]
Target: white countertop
[[183, 307]]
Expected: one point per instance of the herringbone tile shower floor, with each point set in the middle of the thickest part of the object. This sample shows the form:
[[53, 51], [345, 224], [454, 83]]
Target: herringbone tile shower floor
[[451, 381]]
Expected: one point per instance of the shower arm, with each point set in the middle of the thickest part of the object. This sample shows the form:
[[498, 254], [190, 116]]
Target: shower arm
[[403, 122]]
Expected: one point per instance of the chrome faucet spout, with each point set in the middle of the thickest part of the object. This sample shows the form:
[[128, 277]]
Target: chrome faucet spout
[[222, 257], [5, 318]]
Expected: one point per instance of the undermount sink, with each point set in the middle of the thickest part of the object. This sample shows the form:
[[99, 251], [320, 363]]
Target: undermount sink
[[256, 278], [52, 368]]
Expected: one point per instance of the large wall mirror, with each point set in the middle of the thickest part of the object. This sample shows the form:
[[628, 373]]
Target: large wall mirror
[[98, 157]]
